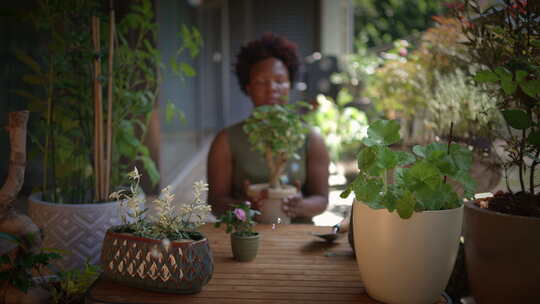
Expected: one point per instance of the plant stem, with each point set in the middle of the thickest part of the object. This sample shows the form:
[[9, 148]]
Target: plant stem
[[531, 176], [110, 100], [521, 160], [449, 143]]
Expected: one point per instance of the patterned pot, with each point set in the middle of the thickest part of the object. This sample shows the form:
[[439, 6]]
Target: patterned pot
[[75, 228], [245, 248], [180, 267]]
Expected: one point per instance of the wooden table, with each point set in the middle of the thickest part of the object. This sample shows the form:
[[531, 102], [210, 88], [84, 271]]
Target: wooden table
[[291, 267]]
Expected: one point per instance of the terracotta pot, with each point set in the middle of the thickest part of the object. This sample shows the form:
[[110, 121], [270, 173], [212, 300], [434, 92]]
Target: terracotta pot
[[502, 254], [245, 248], [406, 261], [272, 208], [181, 267]]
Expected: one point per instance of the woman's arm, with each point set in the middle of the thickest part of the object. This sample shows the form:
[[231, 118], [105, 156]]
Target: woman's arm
[[316, 189], [219, 173]]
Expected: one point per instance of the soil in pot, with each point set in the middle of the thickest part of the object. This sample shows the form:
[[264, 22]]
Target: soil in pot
[[520, 203]]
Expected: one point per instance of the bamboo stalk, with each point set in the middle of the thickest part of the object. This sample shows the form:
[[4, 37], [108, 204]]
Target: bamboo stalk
[[110, 100], [100, 111], [96, 143], [98, 108]]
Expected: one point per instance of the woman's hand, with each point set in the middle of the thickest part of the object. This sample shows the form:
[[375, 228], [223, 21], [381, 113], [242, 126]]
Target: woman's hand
[[256, 201], [292, 205]]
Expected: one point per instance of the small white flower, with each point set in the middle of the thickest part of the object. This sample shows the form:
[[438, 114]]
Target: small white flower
[[134, 175]]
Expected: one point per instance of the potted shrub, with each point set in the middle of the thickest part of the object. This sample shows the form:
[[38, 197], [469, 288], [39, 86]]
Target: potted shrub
[[502, 243], [277, 132], [82, 148], [165, 253], [407, 256], [239, 221]]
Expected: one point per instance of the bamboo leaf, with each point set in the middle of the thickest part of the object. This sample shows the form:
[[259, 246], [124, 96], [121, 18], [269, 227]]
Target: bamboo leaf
[[29, 61]]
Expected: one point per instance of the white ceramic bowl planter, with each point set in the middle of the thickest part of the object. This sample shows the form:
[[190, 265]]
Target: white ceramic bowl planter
[[406, 261], [272, 207]]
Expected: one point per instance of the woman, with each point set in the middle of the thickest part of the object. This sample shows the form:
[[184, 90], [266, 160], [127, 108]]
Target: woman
[[265, 69]]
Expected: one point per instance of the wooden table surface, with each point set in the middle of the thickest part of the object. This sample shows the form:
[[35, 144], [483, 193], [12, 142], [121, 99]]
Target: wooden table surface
[[291, 267]]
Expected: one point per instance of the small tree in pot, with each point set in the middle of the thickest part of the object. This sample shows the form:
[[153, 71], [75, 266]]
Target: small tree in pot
[[165, 253], [277, 132], [505, 40], [429, 210]]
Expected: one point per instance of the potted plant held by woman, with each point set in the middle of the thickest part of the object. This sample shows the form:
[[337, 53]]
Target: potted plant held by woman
[[407, 257], [166, 253], [277, 132], [502, 239], [239, 221]]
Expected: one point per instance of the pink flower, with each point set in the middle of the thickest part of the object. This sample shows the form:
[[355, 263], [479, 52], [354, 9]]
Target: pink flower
[[402, 52], [240, 214], [247, 203]]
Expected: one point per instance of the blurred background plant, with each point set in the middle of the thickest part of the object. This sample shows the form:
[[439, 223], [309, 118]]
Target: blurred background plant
[[340, 123], [381, 22]]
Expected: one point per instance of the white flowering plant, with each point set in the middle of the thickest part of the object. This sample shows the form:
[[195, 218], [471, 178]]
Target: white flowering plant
[[168, 223]]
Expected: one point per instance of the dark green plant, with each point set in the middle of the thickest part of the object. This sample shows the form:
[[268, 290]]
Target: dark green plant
[[17, 270], [420, 180], [277, 132], [383, 21], [69, 287], [505, 40], [239, 219], [61, 77]]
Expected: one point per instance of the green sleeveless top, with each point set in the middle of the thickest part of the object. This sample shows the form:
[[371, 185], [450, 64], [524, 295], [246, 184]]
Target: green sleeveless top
[[249, 164]]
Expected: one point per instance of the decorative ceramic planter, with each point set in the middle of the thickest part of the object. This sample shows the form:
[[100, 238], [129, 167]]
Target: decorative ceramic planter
[[406, 261], [78, 229], [245, 248], [181, 267], [272, 207], [502, 254]]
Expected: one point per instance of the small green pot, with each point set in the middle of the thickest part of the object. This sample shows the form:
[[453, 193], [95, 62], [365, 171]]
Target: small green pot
[[245, 248]]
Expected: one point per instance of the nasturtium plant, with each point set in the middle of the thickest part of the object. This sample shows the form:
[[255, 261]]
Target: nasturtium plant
[[419, 179], [277, 132]]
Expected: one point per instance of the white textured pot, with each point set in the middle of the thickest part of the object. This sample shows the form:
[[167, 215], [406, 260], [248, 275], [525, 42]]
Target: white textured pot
[[78, 229], [272, 209], [406, 261]]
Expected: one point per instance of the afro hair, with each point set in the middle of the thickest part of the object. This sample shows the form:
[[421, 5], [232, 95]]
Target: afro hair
[[268, 46]]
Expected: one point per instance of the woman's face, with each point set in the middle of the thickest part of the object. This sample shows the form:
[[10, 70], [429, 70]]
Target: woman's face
[[268, 83]]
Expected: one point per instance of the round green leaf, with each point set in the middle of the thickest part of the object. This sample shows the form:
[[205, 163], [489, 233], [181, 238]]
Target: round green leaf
[[517, 119], [486, 76], [534, 139], [383, 132]]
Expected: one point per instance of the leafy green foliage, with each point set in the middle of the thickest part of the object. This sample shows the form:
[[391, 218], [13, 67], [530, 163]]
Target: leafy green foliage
[[383, 21], [239, 219], [71, 286], [277, 132], [17, 270], [419, 181], [341, 125], [504, 40]]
